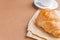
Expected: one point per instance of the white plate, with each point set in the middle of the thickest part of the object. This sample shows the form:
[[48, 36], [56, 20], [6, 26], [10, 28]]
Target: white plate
[[54, 5], [32, 27]]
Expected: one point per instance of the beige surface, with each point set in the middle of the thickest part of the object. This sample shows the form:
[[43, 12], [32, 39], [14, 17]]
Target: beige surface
[[14, 16]]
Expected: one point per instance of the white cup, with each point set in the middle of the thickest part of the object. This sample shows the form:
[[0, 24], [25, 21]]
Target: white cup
[[51, 4], [46, 2]]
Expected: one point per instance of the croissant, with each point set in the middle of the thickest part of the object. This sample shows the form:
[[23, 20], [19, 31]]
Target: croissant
[[49, 21]]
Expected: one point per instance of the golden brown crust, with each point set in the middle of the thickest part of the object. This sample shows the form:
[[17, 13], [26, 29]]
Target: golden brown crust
[[49, 21]]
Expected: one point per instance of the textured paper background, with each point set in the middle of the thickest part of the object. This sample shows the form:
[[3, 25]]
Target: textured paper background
[[14, 16]]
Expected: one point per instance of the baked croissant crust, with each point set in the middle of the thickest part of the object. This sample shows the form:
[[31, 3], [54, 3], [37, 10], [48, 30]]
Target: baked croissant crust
[[49, 20]]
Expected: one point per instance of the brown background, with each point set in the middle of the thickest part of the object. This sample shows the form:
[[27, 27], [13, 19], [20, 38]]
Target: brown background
[[14, 16]]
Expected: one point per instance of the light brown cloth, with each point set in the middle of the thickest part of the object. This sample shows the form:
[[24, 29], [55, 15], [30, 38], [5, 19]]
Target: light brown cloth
[[33, 29]]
